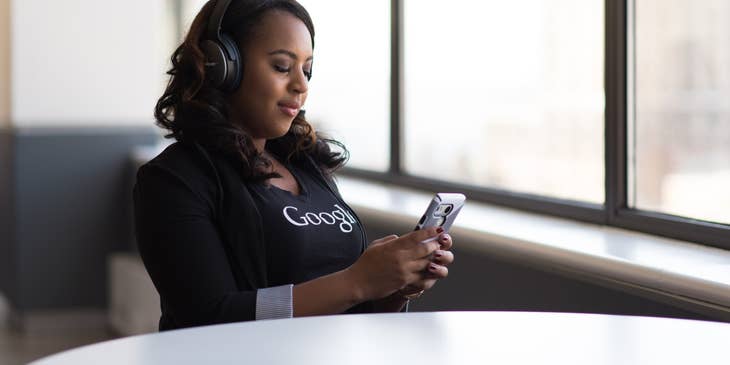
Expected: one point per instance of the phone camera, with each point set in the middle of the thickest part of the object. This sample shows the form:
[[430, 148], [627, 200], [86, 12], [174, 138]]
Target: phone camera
[[443, 210]]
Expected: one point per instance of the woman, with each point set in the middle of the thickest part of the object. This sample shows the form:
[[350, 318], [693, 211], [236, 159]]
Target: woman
[[240, 218]]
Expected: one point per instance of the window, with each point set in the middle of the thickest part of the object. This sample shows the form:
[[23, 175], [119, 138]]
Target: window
[[349, 92], [681, 115], [507, 95]]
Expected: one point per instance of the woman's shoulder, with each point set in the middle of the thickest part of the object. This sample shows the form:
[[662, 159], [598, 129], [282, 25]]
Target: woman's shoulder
[[177, 153], [186, 162], [176, 157]]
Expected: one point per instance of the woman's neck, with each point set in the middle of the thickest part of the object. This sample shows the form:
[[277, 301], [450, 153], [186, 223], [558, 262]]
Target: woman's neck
[[259, 144]]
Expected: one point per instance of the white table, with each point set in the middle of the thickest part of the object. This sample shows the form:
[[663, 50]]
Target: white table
[[424, 338]]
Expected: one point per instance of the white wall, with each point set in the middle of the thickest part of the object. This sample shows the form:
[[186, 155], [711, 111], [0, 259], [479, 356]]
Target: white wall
[[4, 63], [86, 62]]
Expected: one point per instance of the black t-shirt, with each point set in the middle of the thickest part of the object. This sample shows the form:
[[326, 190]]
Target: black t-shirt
[[307, 235]]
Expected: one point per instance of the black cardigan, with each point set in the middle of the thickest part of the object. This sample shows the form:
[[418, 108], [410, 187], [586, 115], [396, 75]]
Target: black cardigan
[[201, 237]]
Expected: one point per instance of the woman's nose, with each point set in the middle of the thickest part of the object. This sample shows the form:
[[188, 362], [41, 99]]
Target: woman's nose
[[300, 83]]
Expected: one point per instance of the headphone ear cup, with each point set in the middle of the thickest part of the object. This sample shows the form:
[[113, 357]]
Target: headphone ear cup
[[222, 63], [234, 69], [216, 65]]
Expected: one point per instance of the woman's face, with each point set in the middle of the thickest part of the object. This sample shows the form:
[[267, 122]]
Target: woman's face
[[276, 65]]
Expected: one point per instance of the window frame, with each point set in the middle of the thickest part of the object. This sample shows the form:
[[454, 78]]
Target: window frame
[[615, 211]]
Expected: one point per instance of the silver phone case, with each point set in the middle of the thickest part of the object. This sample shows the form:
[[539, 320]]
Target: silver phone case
[[435, 217]]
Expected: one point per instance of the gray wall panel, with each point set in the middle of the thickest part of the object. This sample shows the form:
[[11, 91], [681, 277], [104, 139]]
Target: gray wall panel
[[72, 203], [7, 242]]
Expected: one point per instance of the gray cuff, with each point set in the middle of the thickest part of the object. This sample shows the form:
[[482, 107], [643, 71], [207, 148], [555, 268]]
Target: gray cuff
[[275, 302]]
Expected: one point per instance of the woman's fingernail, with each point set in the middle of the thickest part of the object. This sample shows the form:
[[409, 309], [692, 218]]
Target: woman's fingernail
[[444, 237], [432, 267], [439, 230], [438, 254]]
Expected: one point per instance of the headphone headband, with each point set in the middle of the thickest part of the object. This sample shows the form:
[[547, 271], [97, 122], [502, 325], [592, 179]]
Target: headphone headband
[[222, 58], [216, 20]]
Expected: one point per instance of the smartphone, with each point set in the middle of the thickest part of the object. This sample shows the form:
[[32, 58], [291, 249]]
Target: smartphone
[[442, 211]]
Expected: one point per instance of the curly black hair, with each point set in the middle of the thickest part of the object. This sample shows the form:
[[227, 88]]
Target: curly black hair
[[194, 111]]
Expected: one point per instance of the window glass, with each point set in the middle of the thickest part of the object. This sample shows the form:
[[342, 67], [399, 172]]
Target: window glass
[[506, 94], [349, 95], [681, 120]]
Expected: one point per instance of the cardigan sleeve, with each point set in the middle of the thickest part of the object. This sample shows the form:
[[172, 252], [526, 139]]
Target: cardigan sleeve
[[275, 302], [183, 251]]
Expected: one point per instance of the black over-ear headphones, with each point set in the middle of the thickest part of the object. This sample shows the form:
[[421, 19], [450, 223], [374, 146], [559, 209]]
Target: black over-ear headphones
[[223, 67]]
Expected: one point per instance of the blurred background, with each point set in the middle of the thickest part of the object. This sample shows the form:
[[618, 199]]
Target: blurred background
[[499, 94]]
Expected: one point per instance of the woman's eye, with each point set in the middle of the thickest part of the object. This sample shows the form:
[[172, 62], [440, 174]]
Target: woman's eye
[[281, 69]]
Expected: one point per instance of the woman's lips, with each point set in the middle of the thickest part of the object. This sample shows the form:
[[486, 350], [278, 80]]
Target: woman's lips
[[290, 110]]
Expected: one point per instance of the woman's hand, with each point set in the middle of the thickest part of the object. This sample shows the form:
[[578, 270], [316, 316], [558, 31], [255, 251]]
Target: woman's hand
[[436, 270], [392, 263]]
